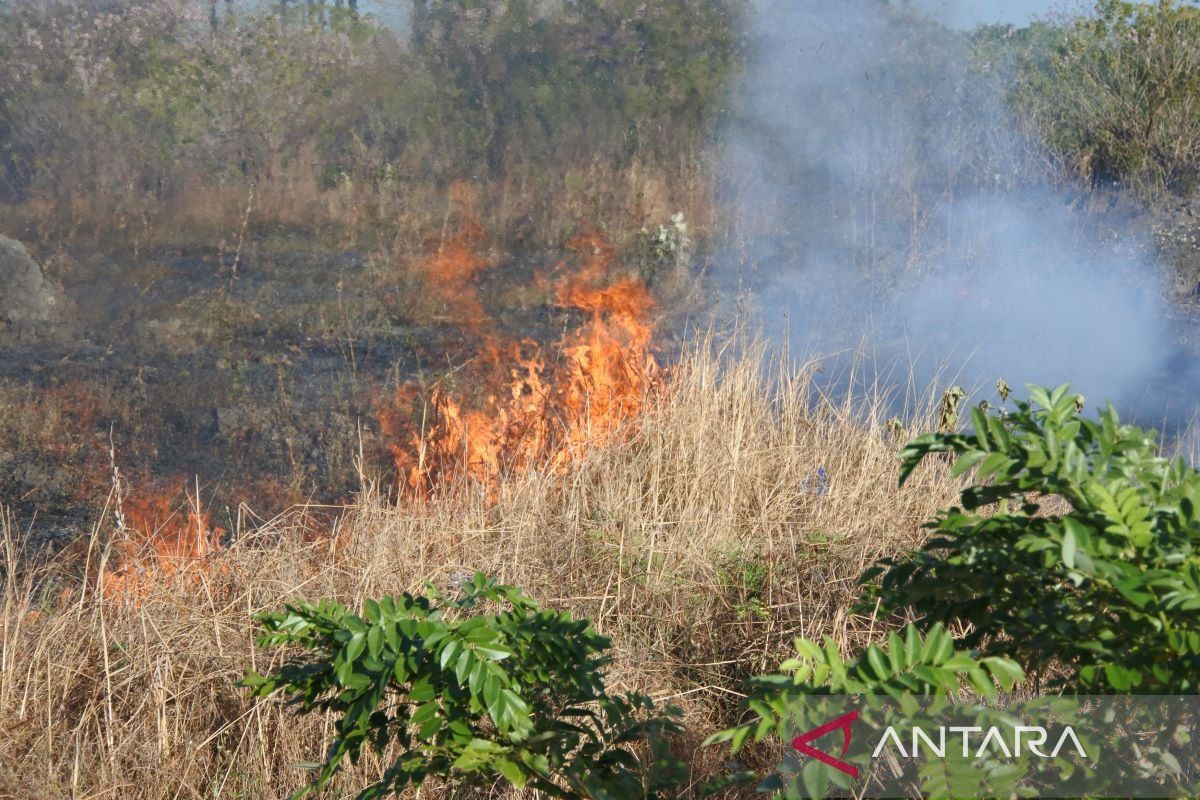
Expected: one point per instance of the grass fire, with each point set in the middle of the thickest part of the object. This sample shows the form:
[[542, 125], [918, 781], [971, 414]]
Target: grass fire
[[498, 399], [533, 406]]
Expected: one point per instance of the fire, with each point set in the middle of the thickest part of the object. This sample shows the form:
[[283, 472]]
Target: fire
[[161, 539], [536, 408], [451, 269], [611, 368]]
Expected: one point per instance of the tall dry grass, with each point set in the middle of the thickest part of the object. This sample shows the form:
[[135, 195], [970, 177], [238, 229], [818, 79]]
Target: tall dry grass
[[702, 543]]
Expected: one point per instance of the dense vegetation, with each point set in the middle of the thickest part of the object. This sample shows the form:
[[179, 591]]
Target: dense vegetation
[[471, 696], [127, 116], [115, 115], [1075, 549], [1071, 561], [1115, 96], [734, 516]]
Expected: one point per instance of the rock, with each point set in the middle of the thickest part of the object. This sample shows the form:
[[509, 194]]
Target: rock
[[26, 299]]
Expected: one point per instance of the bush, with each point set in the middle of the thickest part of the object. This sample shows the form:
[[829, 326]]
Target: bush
[[911, 664], [600, 80], [1075, 548], [1116, 96], [108, 111], [136, 99], [474, 697], [1072, 558]]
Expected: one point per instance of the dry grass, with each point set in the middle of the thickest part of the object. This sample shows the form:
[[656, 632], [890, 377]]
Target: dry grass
[[700, 544], [536, 206]]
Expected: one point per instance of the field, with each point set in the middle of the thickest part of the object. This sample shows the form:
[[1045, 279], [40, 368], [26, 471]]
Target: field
[[580, 296], [701, 543]]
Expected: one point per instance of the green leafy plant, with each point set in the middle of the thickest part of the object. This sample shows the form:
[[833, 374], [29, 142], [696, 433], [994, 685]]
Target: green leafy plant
[[1073, 555], [743, 576], [1075, 547], [910, 666], [927, 681], [515, 693]]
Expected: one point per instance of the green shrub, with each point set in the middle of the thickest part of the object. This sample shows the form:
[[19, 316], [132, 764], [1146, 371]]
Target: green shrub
[[516, 693], [926, 681], [1073, 558], [1115, 95], [1075, 548], [911, 664]]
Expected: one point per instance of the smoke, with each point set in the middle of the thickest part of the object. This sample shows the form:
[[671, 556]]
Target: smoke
[[966, 14], [882, 200]]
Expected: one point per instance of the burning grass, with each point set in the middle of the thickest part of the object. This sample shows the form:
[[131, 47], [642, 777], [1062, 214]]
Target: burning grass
[[454, 264], [698, 539], [532, 406], [158, 539]]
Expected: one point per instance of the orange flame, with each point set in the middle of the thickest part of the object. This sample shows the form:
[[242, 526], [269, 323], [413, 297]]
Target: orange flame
[[537, 408], [161, 540], [611, 367], [451, 269]]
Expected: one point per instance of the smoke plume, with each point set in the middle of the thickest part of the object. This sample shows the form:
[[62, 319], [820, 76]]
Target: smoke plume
[[884, 201]]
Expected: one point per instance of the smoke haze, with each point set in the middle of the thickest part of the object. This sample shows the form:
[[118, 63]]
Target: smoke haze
[[883, 200], [966, 14]]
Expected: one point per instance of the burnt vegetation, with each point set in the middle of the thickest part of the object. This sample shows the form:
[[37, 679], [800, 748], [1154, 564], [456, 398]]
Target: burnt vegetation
[[297, 213]]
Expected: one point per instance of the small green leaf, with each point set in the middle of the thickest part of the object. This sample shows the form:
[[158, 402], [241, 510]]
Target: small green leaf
[[740, 735], [1006, 671], [878, 662], [912, 645], [424, 712], [511, 771], [375, 641], [356, 646], [1068, 548], [966, 461], [463, 666], [371, 611]]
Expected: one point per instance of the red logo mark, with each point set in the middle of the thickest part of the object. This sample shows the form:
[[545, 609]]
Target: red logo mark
[[800, 743]]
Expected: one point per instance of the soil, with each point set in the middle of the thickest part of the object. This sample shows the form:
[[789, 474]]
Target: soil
[[257, 376]]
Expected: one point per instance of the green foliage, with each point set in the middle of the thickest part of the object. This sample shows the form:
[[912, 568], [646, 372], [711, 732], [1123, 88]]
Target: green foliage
[[910, 666], [1073, 554], [516, 693], [743, 577], [1075, 546], [1115, 94]]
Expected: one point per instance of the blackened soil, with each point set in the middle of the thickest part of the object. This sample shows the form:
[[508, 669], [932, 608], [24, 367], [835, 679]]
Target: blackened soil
[[257, 376]]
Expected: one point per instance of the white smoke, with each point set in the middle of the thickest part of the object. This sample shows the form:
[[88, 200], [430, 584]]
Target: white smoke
[[966, 14], [881, 195]]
